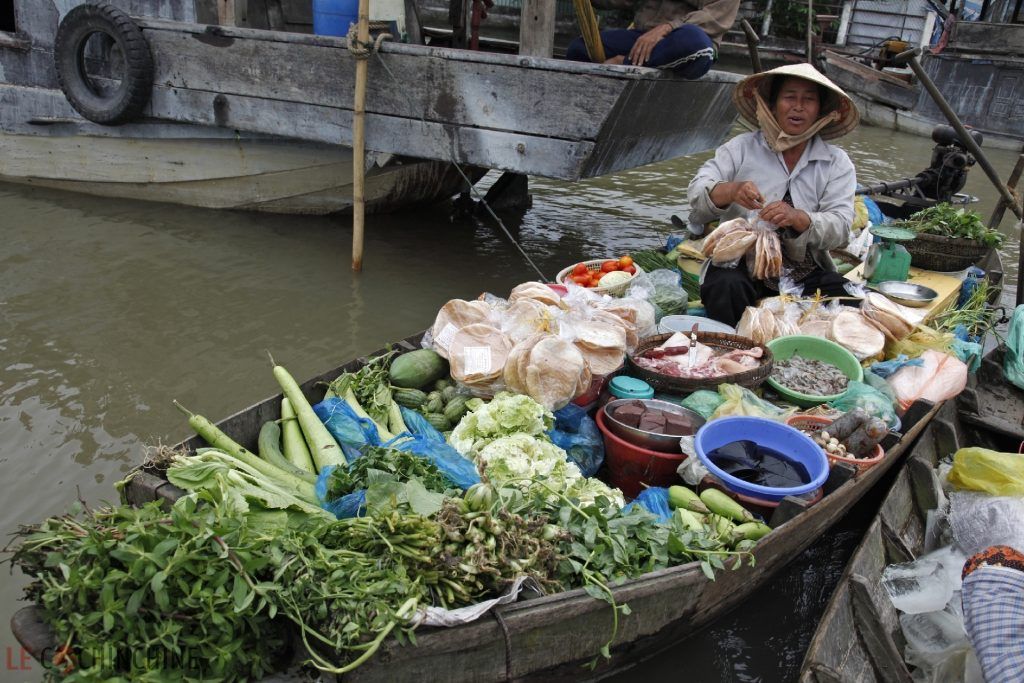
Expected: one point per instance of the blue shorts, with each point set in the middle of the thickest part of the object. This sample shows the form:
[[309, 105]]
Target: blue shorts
[[688, 51]]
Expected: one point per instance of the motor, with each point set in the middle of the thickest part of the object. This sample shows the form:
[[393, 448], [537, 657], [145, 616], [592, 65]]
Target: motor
[[947, 173]]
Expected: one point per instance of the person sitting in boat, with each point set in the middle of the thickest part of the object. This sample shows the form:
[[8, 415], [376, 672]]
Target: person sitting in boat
[[682, 35], [784, 174]]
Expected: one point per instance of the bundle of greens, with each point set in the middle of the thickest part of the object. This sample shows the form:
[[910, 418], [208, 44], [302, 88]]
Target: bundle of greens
[[368, 392], [975, 316], [943, 219], [401, 464]]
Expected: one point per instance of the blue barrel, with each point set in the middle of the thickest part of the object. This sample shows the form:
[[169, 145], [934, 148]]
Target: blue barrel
[[333, 17]]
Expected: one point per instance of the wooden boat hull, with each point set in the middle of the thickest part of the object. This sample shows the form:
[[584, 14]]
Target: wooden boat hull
[[45, 144], [982, 100], [548, 638]]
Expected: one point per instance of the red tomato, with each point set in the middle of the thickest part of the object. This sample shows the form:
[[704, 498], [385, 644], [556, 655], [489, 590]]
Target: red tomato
[[625, 262], [609, 266], [580, 269], [631, 269], [581, 280]]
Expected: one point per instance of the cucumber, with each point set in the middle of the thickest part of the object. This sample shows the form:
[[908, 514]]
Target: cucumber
[[295, 449], [448, 393], [455, 409], [270, 450], [442, 384], [682, 497], [438, 421], [434, 404], [410, 398], [417, 369]]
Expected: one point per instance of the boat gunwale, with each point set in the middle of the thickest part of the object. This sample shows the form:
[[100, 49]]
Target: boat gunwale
[[615, 72]]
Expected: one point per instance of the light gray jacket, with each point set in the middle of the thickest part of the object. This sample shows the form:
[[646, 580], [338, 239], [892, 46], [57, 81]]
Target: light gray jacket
[[822, 184]]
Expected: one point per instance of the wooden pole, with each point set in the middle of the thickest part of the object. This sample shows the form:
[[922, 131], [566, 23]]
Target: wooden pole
[[359, 137], [910, 57], [226, 12], [537, 28], [752, 42], [810, 31], [997, 213]]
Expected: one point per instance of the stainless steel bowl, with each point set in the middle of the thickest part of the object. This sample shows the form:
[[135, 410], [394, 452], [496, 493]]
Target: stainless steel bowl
[[650, 440], [906, 293]]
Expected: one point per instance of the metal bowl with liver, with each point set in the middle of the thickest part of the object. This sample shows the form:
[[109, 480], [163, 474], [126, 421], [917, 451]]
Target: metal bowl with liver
[[650, 423]]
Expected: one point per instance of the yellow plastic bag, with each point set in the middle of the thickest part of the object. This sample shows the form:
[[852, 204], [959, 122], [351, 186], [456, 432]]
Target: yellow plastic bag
[[920, 340], [741, 401], [979, 469]]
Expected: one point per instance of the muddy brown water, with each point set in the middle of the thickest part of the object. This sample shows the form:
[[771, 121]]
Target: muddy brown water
[[109, 309]]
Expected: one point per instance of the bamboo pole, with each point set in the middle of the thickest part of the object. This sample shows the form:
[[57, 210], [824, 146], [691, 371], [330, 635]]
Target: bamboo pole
[[752, 42], [226, 12], [359, 136], [810, 31]]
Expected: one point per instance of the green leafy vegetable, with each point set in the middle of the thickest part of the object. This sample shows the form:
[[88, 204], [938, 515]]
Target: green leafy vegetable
[[944, 219], [401, 464]]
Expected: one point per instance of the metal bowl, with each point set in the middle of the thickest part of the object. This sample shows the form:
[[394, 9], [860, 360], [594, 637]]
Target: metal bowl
[[906, 293], [650, 440]]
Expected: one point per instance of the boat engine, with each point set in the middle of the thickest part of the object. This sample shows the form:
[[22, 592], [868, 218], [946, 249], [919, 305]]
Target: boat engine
[[947, 173]]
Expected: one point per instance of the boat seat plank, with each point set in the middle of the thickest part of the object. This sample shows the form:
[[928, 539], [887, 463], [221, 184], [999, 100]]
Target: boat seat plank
[[924, 482]]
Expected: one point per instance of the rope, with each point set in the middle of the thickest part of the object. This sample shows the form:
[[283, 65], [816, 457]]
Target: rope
[[360, 50], [472, 187], [508, 643], [588, 27]]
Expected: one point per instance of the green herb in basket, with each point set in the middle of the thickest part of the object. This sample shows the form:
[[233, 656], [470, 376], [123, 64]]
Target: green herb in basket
[[948, 221]]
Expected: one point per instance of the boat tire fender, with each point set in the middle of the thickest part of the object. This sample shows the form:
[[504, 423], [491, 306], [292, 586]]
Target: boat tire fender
[[111, 106]]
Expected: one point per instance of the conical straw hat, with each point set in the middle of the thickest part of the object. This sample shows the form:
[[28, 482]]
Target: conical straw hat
[[743, 97]]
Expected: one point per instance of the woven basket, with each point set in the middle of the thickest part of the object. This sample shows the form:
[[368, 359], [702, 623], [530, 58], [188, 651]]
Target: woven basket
[[944, 254], [686, 385], [564, 277]]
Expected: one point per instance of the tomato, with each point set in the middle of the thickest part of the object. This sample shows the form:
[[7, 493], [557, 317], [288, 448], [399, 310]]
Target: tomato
[[580, 269], [631, 269], [625, 262], [583, 280], [609, 266]]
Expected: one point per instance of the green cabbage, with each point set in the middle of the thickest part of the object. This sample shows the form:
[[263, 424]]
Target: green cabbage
[[506, 414]]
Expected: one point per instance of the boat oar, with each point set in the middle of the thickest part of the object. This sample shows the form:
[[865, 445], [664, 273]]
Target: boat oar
[[752, 42], [910, 58]]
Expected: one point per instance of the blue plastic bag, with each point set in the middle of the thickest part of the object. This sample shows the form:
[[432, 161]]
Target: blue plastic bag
[[655, 501], [577, 434], [875, 214], [350, 505], [889, 367], [419, 426], [347, 428], [453, 465]]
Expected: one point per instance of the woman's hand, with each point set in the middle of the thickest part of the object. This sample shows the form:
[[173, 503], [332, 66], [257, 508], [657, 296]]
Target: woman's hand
[[644, 45], [743, 192], [782, 215]]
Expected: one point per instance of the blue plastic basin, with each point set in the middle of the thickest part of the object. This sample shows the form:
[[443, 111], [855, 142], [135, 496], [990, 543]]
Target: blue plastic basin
[[790, 442], [332, 17]]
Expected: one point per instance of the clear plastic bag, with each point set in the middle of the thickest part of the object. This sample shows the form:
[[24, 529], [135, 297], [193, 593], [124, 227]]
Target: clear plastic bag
[[668, 296], [742, 401], [941, 377], [980, 520], [992, 472], [703, 402], [874, 402]]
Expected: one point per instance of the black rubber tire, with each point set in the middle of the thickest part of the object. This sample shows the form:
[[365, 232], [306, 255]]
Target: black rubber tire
[[131, 97]]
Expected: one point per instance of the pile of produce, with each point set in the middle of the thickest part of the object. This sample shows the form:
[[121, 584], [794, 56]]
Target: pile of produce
[[603, 276], [854, 434], [948, 221]]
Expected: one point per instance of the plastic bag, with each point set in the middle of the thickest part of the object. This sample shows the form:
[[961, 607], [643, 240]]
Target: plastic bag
[[347, 428], [655, 501], [978, 521], [980, 469], [429, 443], [880, 385], [703, 402], [577, 434], [1013, 360], [668, 295], [874, 402], [742, 401], [969, 352], [886, 368], [942, 376], [349, 505]]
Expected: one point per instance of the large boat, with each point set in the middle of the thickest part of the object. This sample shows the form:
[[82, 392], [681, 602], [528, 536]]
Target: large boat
[[256, 112], [859, 639]]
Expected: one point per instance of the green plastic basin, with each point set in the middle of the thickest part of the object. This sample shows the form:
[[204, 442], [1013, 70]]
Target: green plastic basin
[[813, 348]]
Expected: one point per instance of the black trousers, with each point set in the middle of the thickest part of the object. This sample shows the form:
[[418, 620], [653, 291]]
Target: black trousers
[[727, 291]]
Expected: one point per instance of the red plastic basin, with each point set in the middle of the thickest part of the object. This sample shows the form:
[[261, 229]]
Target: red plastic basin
[[629, 466]]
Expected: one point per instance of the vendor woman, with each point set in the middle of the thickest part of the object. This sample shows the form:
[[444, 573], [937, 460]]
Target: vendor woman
[[787, 175]]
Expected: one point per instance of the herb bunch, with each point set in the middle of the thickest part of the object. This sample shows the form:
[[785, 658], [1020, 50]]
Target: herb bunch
[[943, 219]]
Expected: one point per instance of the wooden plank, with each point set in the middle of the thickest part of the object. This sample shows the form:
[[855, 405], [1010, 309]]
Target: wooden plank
[[926, 487], [988, 37], [870, 83], [839, 474], [486, 148], [886, 658], [896, 550], [537, 28]]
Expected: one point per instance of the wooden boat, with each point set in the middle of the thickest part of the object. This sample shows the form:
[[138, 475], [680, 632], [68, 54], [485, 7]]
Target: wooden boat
[[859, 639], [976, 72], [259, 116], [549, 637]]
